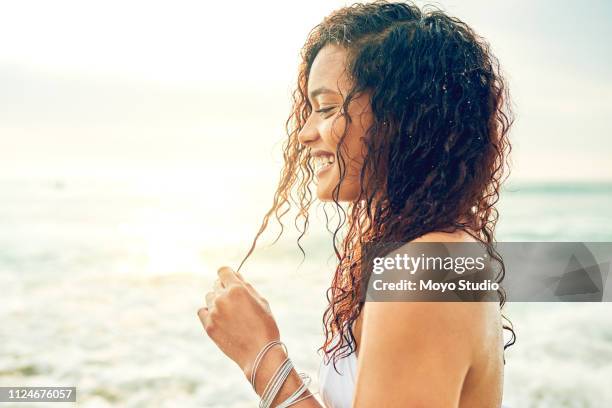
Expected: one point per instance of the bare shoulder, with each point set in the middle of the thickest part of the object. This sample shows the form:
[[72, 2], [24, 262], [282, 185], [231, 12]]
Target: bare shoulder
[[403, 343], [460, 324], [439, 236], [440, 327]]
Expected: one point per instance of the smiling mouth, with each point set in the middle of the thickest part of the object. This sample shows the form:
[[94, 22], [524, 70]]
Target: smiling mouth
[[322, 162]]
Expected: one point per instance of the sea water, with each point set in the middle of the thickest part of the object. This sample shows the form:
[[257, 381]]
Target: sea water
[[100, 283]]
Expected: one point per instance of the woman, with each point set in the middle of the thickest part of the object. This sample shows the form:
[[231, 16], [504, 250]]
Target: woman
[[401, 116]]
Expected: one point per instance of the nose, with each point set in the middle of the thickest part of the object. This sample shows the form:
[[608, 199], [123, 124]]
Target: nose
[[308, 134]]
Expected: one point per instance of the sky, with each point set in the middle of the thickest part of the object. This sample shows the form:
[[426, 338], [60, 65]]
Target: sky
[[164, 89]]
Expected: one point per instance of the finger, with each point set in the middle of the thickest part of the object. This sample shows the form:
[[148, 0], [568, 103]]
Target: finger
[[217, 285], [252, 289], [203, 315], [210, 300], [227, 276], [247, 284]]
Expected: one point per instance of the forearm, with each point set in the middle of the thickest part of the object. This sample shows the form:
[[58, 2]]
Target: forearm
[[273, 359]]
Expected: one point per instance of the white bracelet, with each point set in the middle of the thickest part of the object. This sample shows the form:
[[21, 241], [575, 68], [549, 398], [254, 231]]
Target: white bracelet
[[277, 382], [278, 379], [260, 356], [301, 389], [303, 398], [266, 392]]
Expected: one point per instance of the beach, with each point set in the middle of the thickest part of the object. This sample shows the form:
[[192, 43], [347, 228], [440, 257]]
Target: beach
[[101, 282]]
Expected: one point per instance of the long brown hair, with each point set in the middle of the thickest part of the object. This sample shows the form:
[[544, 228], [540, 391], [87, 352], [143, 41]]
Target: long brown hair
[[441, 115]]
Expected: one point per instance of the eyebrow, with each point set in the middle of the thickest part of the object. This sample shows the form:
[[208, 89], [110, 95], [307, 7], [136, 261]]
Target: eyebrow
[[320, 91]]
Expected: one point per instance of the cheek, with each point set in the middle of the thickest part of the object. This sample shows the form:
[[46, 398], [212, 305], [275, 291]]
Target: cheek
[[334, 130], [352, 146], [354, 151]]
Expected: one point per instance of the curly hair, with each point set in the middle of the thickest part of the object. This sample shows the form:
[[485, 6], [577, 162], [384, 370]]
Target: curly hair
[[441, 116]]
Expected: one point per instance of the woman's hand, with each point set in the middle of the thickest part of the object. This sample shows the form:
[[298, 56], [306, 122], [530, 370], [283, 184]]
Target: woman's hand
[[237, 318]]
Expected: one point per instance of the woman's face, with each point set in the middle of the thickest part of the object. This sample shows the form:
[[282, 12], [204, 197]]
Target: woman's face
[[327, 85]]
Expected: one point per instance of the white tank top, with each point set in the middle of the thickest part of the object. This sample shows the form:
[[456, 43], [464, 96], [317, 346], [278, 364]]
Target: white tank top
[[336, 390]]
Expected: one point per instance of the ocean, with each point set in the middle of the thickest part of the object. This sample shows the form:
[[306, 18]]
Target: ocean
[[100, 283]]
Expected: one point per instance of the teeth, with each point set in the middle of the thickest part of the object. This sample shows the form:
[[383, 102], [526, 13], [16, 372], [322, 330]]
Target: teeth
[[321, 161]]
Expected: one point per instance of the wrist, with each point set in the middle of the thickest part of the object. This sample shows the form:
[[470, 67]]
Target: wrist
[[247, 369], [248, 362], [268, 364]]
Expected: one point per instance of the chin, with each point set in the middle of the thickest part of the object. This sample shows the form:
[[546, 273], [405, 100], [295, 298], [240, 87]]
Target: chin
[[324, 196], [324, 193], [349, 191]]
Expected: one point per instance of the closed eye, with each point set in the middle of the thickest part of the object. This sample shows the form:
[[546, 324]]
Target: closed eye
[[324, 110]]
